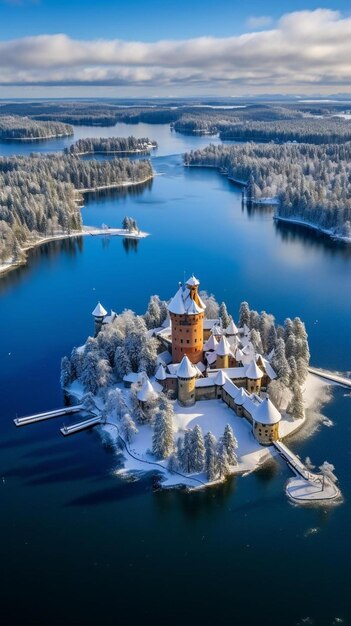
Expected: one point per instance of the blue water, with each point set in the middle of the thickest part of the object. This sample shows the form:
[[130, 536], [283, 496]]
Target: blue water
[[80, 546]]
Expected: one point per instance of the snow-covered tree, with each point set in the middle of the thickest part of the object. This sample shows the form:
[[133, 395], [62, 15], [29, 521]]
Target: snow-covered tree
[[66, 372], [231, 444], [296, 406], [271, 339], [152, 316], [302, 370], [244, 314], [88, 401], [288, 328], [293, 378], [254, 320], [163, 436], [222, 460], [280, 363], [265, 325], [279, 394], [197, 449], [186, 452], [256, 341], [96, 372], [224, 315], [129, 428], [76, 363], [302, 349], [211, 460], [290, 346], [115, 403], [212, 306], [122, 362]]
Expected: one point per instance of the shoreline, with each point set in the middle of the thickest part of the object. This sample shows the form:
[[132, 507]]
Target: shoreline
[[101, 152], [19, 139], [6, 267], [274, 201]]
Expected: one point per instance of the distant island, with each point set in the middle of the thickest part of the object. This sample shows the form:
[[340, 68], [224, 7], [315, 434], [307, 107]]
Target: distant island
[[16, 128], [112, 145]]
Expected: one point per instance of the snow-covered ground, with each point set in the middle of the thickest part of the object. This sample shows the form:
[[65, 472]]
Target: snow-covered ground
[[304, 491]]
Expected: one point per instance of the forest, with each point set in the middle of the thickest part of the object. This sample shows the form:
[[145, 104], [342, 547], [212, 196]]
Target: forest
[[16, 128], [310, 182], [110, 145], [38, 194]]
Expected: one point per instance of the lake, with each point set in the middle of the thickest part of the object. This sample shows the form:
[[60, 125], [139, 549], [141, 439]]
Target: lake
[[81, 546]]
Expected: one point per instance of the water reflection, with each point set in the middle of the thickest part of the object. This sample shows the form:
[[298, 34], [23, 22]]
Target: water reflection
[[293, 233], [130, 245]]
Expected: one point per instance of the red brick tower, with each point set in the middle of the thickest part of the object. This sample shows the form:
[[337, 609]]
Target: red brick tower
[[186, 310]]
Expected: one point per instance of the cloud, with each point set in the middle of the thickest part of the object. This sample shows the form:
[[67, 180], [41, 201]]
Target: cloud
[[258, 22], [306, 50]]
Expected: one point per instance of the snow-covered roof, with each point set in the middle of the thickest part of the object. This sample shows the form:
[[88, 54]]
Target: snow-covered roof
[[209, 324], [132, 377], [99, 311], [186, 369], [231, 372], [146, 392], [201, 366], [182, 303], [253, 371], [248, 349], [241, 397], [231, 389], [164, 358], [204, 382], [161, 373], [211, 343], [221, 378], [223, 347], [211, 357], [269, 369], [231, 329], [266, 413], [246, 330], [192, 281], [217, 330]]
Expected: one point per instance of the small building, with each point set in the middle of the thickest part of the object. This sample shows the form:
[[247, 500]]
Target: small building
[[266, 420], [146, 395], [99, 315]]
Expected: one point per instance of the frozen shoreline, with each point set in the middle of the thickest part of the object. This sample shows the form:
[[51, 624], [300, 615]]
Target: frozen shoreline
[[214, 415], [9, 264]]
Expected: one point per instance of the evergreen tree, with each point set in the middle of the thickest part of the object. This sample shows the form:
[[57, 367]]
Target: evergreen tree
[[231, 444], [211, 460], [271, 339], [197, 450], [296, 407], [280, 363], [265, 325], [302, 349], [302, 370], [162, 439], [244, 314], [187, 459], [66, 372], [122, 362], [256, 341], [129, 428], [293, 378], [224, 315], [222, 460]]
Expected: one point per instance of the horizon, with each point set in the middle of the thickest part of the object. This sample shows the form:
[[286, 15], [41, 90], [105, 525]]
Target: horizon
[[205, 50]]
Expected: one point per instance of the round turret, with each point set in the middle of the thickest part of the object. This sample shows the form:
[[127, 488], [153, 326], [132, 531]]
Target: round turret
[[266, 420], [98, 314], [186, 310], [186, 374]]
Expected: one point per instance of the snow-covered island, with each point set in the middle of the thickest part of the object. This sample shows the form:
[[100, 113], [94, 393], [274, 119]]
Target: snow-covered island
[[186, 392]]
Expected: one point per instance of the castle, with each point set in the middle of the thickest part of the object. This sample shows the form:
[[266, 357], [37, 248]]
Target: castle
[[204, 361]]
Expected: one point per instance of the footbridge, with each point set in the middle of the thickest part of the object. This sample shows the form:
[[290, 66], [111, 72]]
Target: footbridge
[[332, 376], [40, 417]]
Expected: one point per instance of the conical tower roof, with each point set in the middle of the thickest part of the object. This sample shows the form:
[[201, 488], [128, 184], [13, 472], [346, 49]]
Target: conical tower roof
[[192, 281], [186, 369], [253, 371], [211, 343], [223, 348], [161, 373], [231, 329], [99, 311], [221, 378], [266, 413], [147, 392]]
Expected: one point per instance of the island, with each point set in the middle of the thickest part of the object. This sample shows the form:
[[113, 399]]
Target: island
[[42, 196], [185, 391], [17, 128], [112, 145]]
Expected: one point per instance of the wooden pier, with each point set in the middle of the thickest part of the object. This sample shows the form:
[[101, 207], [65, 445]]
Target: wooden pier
[[40, 417], [79, 426], [331, 376]]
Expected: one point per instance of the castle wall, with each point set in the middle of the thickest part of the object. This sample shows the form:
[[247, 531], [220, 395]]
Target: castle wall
[[187, 337], [206, 393], [253, 386]]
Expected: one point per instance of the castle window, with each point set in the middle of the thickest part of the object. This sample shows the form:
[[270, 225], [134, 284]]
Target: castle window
[[187, 341]]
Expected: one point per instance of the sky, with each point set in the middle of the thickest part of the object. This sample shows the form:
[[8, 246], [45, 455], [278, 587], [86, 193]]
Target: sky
[[156, 48]]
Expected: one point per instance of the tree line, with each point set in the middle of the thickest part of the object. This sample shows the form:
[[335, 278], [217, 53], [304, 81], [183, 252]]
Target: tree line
[[309, 182], [14, 127]]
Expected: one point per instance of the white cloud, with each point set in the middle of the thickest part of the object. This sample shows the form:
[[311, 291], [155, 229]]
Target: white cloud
[[260, 21], [306, 51]]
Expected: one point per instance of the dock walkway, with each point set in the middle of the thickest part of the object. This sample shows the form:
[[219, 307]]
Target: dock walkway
[[40, 417], [78, 427], [332, 376]]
